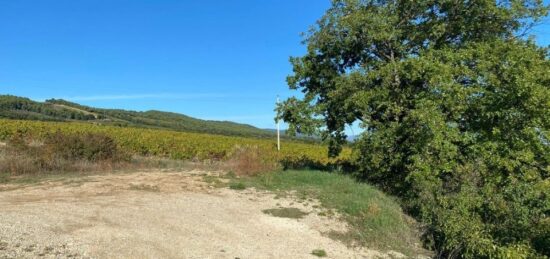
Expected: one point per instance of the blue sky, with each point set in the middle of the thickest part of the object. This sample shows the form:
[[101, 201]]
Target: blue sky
[[222, 60]]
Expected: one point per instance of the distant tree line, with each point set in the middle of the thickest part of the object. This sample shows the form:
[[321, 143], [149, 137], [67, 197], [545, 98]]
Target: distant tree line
[[14, 107], [22, 108]]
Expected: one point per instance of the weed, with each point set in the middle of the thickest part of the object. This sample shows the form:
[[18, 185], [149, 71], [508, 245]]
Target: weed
[[250, 161], [319, 253], [89, 147], [237, 186], [230, 175], [349, 237], [59, 152], [213, 180]]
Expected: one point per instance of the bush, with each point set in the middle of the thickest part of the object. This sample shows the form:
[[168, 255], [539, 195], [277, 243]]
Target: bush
[[476, 171], [88, 146], [250, 160], [58, 152]]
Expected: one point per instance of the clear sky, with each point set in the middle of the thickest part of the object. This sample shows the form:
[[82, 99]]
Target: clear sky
[[222, 60]]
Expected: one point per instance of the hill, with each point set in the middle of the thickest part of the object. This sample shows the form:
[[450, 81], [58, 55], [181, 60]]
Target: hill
[[13, 107]]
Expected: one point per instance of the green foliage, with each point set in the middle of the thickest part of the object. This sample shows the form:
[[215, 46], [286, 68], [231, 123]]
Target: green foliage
[[237, 186], [22, 108], [88, 146], [319, 253], [456, 109]]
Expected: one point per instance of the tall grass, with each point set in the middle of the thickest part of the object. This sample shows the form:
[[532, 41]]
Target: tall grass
[[250, 161], [57, 152]]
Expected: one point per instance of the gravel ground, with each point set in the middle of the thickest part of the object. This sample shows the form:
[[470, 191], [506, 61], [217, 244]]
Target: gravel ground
[[159, 215]]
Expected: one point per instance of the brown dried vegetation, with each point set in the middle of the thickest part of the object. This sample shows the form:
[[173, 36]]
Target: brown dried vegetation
[[59, 153], [250, 161]]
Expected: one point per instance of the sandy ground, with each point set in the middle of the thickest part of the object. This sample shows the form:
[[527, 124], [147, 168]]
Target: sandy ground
[[159, 215]]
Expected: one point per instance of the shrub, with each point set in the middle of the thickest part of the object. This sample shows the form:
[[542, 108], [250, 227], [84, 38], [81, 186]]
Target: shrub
[[250, 160], [58, 152], [88, 146], [20, 155]]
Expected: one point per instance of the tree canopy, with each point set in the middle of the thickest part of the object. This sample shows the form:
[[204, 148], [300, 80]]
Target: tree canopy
[[454, 99]]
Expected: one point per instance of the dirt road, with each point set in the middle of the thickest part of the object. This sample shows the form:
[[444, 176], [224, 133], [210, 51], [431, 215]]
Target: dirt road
[[159, 215]]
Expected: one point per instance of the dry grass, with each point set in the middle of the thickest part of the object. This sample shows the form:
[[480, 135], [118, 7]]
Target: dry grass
[[25, 157], [58, 153], [26, 160], [144, 187], [21, 164], [250, 161]]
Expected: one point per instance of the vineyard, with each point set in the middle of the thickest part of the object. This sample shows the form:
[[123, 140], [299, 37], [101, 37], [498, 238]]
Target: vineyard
[[179, 145]]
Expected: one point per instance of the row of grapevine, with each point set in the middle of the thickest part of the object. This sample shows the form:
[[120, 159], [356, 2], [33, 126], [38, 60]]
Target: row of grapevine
[[176, 145]]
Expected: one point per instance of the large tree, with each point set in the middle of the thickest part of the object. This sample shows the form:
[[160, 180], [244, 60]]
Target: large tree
[[454, 99]]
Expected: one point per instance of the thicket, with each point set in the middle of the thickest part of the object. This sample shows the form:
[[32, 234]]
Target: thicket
[[58, 152], [454, 99]]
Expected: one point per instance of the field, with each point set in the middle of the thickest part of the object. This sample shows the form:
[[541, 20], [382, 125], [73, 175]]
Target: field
[[181, 145]]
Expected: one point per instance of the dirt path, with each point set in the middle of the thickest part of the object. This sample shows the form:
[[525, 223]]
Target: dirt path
[[159, 215]]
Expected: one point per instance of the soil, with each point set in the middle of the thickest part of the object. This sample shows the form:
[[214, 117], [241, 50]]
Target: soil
[[161, 215]]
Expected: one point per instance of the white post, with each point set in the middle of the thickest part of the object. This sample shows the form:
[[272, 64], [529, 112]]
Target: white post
[[278, 130]]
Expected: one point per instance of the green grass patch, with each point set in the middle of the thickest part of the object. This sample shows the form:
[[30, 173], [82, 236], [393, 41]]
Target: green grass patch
[[319, 253], [292, 213], [237, 186], [376, 219]]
